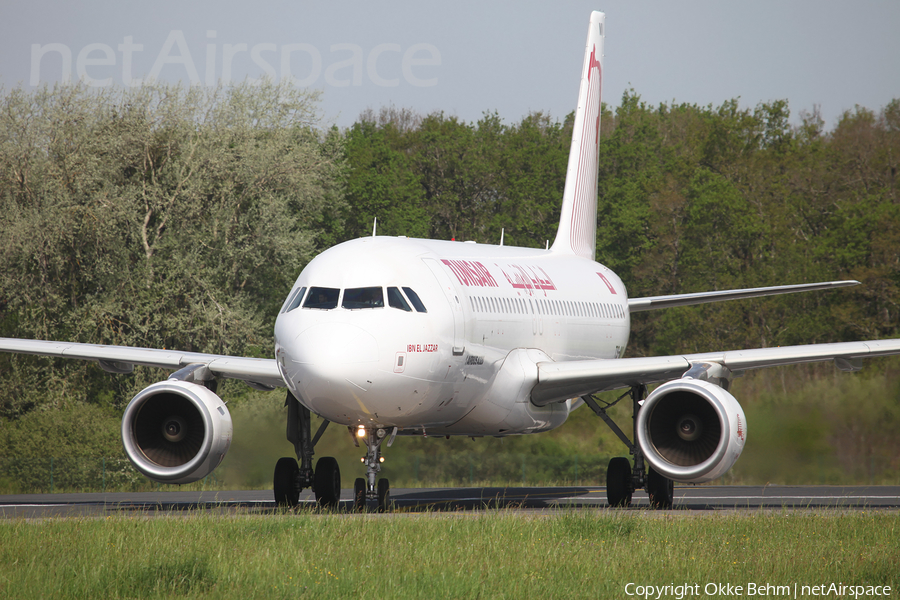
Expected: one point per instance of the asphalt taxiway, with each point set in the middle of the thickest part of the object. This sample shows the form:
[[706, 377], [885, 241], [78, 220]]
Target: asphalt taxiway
[[689, 499]]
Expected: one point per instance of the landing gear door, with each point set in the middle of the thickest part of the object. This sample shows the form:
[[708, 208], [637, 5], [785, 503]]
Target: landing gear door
[[455, 301]]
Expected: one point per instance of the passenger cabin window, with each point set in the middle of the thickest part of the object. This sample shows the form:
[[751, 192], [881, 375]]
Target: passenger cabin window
[[396, 300], [322, 298], [359, 298], [414, 298]]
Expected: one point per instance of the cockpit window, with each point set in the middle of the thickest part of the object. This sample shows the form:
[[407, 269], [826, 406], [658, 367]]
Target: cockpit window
[[414, 298], [294, 301], [396, 300], [322, 298], [289, 299], [369, 297]]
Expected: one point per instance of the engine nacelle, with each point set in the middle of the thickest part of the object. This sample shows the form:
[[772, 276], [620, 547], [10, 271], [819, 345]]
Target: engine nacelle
[[176, 431], [691, 430]]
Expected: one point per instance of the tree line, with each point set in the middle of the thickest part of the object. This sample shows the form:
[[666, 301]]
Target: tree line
[[178, 217]]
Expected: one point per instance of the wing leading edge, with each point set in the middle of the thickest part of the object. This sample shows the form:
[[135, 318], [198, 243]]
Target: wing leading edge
[[258, 372], [558, 381], [657, 302]]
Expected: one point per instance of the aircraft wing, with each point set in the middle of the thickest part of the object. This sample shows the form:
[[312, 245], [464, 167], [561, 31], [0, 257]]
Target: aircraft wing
[[261, 373], [656, 302], [558, 381]]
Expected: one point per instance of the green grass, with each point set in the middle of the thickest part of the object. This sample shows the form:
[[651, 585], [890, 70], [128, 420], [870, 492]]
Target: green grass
[[502, 554]]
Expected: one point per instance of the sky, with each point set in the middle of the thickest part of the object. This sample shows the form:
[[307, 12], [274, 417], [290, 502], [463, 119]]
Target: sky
[[469, 57]]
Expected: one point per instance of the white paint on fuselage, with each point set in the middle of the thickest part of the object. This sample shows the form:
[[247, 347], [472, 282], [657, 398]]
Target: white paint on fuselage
[[388, 367]]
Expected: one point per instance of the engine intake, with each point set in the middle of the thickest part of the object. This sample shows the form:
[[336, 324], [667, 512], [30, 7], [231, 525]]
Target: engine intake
[[691, 430], [176, 431]]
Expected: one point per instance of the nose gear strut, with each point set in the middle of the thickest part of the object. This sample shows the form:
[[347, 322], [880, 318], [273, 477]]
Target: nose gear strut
[[366, 489]]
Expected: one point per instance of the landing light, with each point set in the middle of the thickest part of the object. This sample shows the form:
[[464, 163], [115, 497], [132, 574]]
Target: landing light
[[380, 459], [361, 432]]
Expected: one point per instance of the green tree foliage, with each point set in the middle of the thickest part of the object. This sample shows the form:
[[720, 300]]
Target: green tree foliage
[[437, 177], [702, 198], [382, 183], [159, 216]]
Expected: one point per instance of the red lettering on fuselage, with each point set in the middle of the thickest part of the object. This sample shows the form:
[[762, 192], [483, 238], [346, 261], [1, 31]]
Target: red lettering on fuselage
[[527, 278], [421, 348], [471, 273]]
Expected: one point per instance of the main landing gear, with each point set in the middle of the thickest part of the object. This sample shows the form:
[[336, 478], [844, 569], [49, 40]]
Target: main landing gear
[[290, 478], [621, 478], [365, 489]]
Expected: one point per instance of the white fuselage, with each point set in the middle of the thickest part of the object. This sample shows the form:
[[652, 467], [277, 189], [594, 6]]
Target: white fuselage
[[357, 349]]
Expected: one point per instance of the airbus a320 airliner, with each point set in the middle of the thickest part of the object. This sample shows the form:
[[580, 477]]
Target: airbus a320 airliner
[[393, 336]]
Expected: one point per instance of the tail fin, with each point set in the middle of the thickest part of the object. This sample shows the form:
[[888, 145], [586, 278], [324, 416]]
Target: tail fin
[[577, 232]]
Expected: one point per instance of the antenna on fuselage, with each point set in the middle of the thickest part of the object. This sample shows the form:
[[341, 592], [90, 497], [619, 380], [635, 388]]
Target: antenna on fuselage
[[374, 226], [502, 231]]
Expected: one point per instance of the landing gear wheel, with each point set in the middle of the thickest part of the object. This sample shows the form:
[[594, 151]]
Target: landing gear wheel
[[384, 495], [618, 482], [328, 482], [359, 494], [660, 489], [286, 483]]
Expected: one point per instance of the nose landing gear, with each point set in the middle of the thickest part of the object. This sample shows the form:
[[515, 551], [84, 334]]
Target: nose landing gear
[[366, 489]]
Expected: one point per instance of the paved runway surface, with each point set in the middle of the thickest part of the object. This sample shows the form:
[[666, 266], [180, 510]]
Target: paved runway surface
[[687, 500]]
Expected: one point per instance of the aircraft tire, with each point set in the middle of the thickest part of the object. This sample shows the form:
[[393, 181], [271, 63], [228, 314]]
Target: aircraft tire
[[384, 496], [359, 494], [285, 483], [328, 482], [618, 482], [660, 489]]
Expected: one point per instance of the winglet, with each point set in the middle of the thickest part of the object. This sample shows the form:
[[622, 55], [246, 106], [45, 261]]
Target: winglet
[[577, 232]]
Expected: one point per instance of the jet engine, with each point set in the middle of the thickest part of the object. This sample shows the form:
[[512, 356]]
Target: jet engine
[[691, 430], [176, 431]]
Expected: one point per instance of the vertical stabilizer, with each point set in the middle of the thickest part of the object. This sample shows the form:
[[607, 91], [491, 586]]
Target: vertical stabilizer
[[577, 232]]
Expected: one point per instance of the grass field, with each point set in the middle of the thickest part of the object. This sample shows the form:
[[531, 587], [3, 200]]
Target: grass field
[[502, 554]]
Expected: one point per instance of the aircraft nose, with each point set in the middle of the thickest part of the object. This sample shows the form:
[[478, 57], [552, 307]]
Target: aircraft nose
[[332, 367], [333, 344]]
